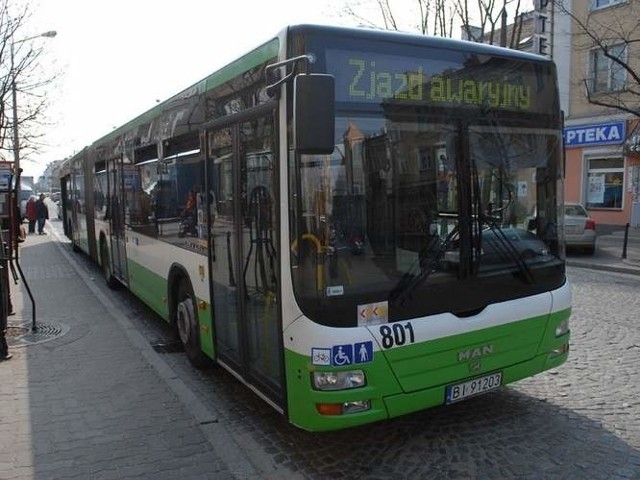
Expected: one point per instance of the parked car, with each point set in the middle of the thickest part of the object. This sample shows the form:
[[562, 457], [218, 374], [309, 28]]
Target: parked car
[[500, 244], [579, 228]]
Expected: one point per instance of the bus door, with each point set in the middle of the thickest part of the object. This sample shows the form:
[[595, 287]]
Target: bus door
[[117, 235], [65, 202], [241, 177]]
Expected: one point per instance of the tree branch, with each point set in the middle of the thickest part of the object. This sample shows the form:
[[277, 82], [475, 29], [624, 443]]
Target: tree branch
[[603, 37], [615, 104]]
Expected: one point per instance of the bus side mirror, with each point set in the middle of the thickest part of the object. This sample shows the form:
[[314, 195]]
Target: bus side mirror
[[313, 113]]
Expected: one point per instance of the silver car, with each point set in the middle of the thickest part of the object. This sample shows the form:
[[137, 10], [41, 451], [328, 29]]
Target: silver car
[[579, 228]]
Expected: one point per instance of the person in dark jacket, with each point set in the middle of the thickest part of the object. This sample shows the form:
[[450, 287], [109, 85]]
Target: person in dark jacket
[[42, 213]]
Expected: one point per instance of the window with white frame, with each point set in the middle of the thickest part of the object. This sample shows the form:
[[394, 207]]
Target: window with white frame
[[607, 74], [605, 182], [595, 4]]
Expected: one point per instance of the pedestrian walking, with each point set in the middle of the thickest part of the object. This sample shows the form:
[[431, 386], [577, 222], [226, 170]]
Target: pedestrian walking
[[42, 213], [31, 213]]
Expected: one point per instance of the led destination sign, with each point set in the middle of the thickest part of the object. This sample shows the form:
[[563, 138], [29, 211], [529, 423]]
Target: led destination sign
[[375, 78]]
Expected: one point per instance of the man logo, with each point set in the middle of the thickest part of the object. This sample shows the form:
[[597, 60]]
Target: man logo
[[475, 366], [474, 353]]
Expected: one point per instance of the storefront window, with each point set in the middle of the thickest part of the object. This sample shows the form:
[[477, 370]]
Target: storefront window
[[605, 181]]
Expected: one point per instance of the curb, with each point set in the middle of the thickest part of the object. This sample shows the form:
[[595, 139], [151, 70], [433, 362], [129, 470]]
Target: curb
[[608, 268]]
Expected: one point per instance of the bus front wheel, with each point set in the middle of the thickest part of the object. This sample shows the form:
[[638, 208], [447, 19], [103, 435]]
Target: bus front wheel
[[188, 326]]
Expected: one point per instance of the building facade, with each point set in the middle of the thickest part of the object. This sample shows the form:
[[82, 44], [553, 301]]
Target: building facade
[[602, 107], [48, 181], [599, 97]]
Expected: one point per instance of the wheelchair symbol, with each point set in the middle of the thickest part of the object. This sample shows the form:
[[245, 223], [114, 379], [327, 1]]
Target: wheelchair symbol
[[342, 355]]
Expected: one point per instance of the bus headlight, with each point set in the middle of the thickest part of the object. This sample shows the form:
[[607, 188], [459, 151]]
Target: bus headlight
[[339, 380], [561, 350], [562, 328], [356, 406], [345, 408]]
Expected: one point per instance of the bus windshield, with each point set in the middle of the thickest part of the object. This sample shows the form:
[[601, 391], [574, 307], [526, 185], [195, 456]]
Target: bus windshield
[[430, 206]]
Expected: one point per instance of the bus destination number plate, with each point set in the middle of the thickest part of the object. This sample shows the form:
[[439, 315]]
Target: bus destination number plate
[[461, 391]]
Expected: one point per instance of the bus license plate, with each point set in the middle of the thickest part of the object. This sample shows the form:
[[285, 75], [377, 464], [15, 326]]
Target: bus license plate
[[461, 391]]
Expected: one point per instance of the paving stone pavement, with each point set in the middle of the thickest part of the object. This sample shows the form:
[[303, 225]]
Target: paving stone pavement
[[94, 401], [616, 251], [88, 402]]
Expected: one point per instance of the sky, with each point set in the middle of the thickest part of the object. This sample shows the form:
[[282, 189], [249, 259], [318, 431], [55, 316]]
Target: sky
[[118, 57]]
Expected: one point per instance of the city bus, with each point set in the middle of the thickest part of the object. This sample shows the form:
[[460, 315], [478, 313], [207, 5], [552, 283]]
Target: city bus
[[357, 224]]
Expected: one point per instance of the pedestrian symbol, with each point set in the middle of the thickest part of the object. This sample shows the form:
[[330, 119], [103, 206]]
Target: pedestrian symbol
[[363, 352], [342, 355]]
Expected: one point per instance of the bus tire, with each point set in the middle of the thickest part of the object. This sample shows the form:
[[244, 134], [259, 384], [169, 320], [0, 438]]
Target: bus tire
[[188, 326], [74, 247], [109, 279]]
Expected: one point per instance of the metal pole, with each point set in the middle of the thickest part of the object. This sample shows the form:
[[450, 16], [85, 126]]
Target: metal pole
[[14, 97], [626, 239], [16, 145]]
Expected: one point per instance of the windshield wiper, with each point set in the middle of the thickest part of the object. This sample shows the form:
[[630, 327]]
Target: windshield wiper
[[508, 249], [430, 257]]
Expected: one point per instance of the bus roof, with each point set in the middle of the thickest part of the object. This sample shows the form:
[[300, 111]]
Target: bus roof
[[416, 39]]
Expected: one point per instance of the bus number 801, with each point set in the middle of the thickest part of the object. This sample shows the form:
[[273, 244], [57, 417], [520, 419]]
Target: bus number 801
[[396, 334]]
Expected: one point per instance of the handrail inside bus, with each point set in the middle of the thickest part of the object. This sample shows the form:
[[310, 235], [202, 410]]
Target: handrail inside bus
[[310, 237]]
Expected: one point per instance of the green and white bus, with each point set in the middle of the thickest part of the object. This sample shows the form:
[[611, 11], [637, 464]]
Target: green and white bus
[[357, 224]]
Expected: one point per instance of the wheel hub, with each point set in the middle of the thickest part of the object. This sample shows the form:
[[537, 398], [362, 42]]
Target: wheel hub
[[185, 320]]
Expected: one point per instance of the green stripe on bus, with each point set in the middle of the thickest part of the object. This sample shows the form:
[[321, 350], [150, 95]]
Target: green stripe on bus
[[514, 357]]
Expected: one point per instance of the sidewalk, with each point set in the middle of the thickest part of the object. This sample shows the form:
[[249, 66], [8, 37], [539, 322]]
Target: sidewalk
[[87, 397], [609, 253]]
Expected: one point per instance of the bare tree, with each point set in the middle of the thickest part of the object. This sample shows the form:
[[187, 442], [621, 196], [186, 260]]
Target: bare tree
[[480, 20], [429, 17], [604, 34], [20, 68], [488, 19]]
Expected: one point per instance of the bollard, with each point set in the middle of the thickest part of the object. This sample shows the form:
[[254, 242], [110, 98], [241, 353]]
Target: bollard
[[626, 239]]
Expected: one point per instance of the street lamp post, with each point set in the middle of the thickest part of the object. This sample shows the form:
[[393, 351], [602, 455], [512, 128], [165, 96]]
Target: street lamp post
[[16, 157], [14, 95]]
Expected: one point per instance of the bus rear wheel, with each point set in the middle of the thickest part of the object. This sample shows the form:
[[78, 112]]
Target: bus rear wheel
[[74, 246], [188, 326]]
